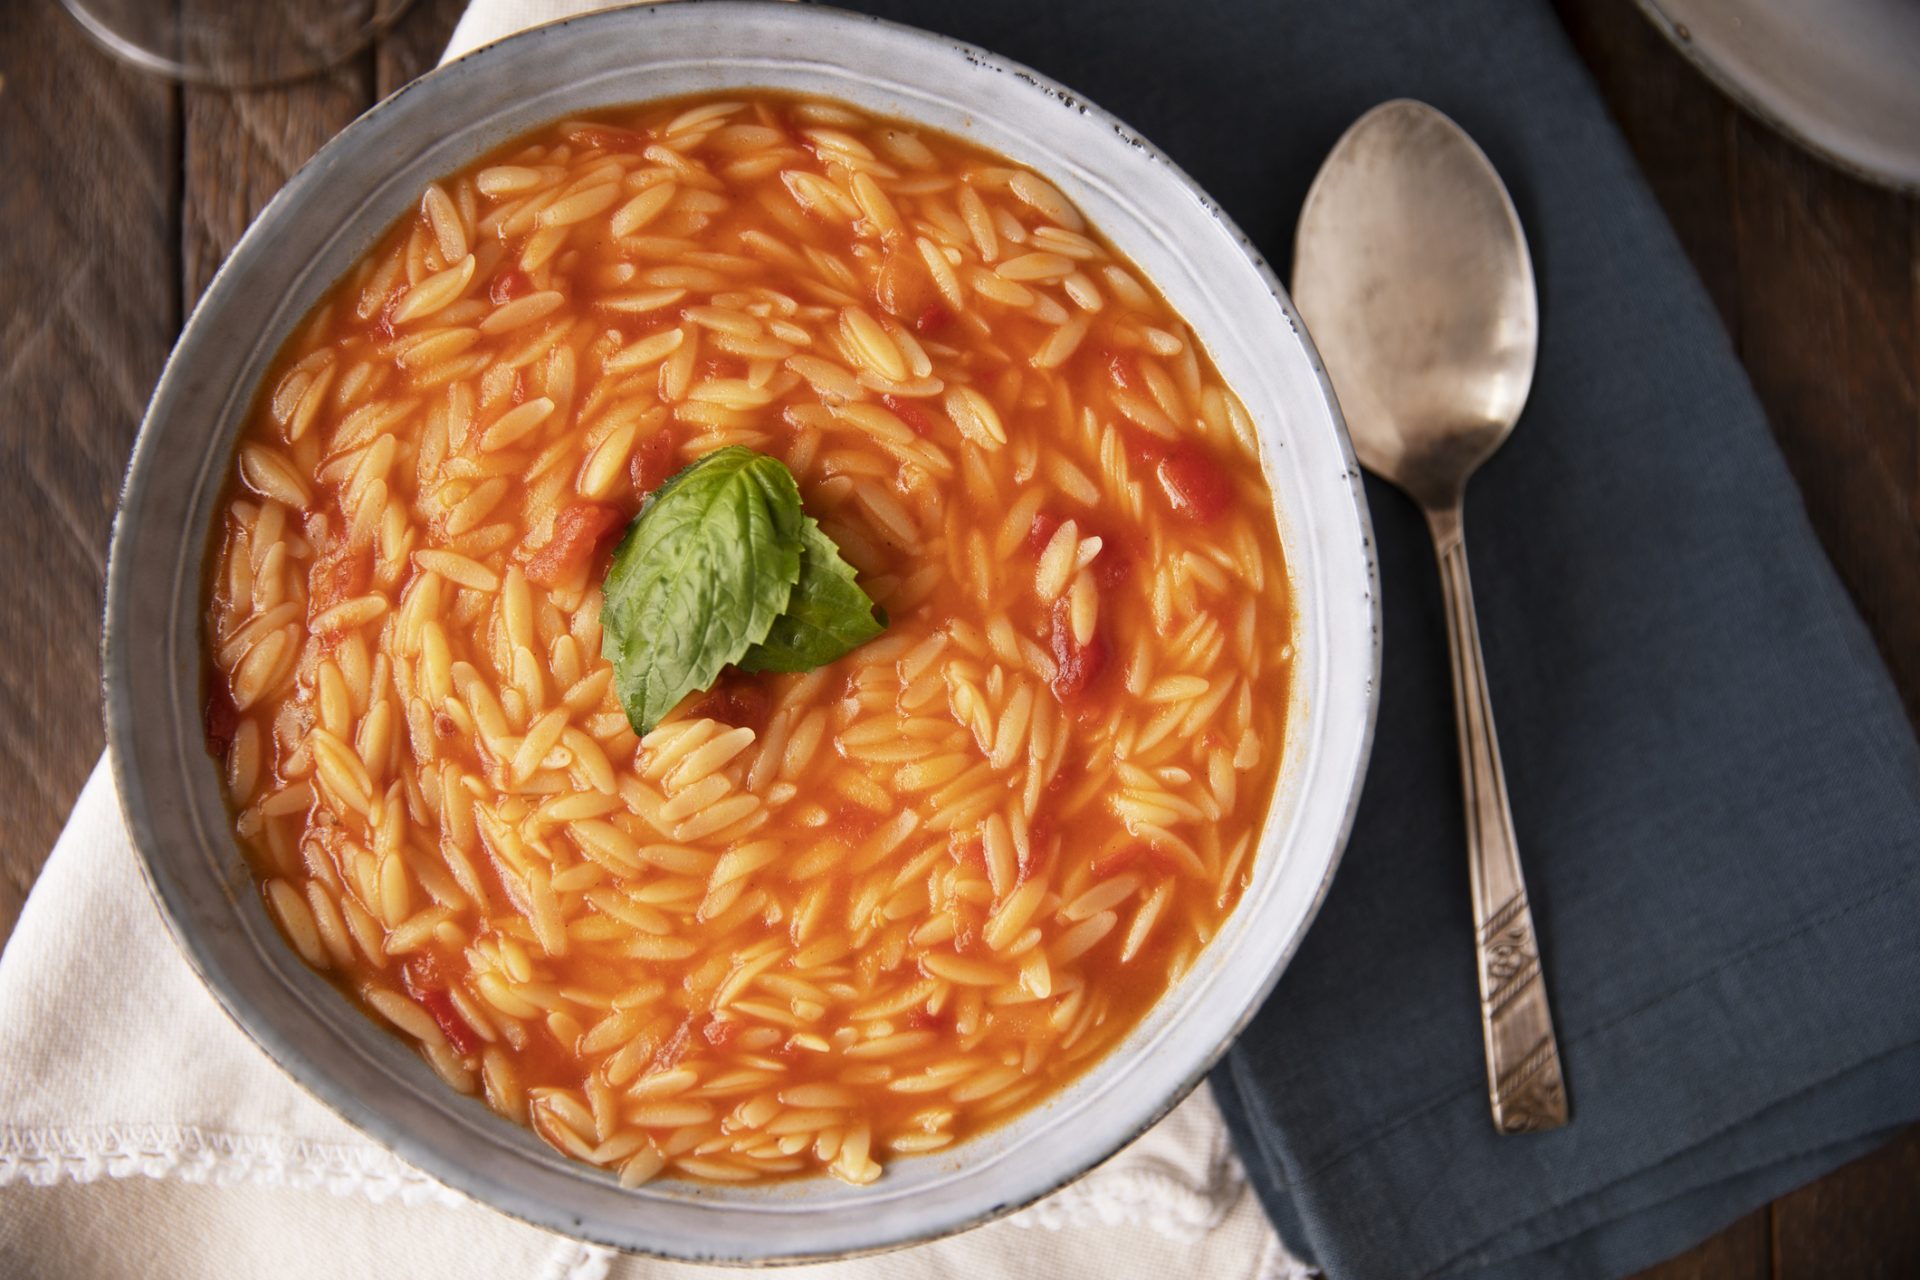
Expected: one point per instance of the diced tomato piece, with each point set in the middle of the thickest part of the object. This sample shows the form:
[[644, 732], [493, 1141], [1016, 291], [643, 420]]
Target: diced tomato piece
[[968, 921], [1144, 447], [222, 717], [444, 725], [339, 573], [1039, 845], [738, 700], [577, 531], [720, 1032], [380, 327], [921, 1020], [428, 986], [908, 412], [653, 462], [1040, 831], [421, 972], [1077, 666], [933, 320], [508, 285], [462, 1037], [1041, 531], [668, 1055], [1193, 482]]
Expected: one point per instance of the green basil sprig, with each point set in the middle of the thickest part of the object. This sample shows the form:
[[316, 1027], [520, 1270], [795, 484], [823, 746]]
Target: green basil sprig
[[722, 567]]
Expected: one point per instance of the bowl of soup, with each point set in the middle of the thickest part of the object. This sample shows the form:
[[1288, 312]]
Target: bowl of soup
[[759, 650]]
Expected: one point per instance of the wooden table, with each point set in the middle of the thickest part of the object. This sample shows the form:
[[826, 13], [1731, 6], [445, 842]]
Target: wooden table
[[123, 194]]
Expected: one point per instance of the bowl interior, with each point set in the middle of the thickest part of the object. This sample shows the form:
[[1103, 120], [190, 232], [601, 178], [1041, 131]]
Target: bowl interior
[[314, 231]]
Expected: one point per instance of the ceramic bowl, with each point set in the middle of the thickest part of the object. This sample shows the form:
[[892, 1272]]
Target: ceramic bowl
[[311, 234]]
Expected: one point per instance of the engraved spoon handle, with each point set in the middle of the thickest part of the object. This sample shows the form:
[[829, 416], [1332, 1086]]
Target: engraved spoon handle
[[1524, 1082]]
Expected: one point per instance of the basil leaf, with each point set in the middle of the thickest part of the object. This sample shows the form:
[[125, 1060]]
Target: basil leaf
[[827, 616], [700, 577]]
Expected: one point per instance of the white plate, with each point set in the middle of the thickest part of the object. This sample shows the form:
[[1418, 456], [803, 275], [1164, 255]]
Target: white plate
[[1840, 77]]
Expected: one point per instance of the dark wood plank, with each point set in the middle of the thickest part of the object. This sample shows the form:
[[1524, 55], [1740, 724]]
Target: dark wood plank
[[414, 45], [90, 299], [1830, 333], [87, 309], [1741, 1252], [1859, 1223], [240, 148]]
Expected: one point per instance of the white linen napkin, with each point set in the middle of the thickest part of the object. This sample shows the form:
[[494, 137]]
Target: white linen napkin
[[142, 1134]]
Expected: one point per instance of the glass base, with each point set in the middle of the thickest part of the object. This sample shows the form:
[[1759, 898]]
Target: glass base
[[235, 44]]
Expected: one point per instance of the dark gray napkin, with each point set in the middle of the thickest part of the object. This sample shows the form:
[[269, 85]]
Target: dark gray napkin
[[1717, 795]]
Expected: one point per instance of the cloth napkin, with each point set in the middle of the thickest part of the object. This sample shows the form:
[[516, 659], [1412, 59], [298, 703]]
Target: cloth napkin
[[1716, 793], [142, 1135]]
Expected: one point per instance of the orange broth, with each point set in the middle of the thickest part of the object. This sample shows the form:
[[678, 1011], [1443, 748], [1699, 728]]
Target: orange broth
[[810, 922]]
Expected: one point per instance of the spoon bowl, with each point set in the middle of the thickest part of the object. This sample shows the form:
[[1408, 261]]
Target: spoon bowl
[[1411, 270]]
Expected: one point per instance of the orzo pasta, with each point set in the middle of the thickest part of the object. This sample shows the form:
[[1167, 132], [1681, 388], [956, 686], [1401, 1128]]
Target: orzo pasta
[[810, 921]]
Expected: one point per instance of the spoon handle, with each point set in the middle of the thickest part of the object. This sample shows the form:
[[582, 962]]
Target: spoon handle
[[1524, 1082]]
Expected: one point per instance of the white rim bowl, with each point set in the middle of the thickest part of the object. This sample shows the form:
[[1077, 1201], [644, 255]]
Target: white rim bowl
[[314, 231]]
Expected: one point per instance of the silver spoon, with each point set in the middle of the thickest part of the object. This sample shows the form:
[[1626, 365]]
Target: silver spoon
[[1412, 272]]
